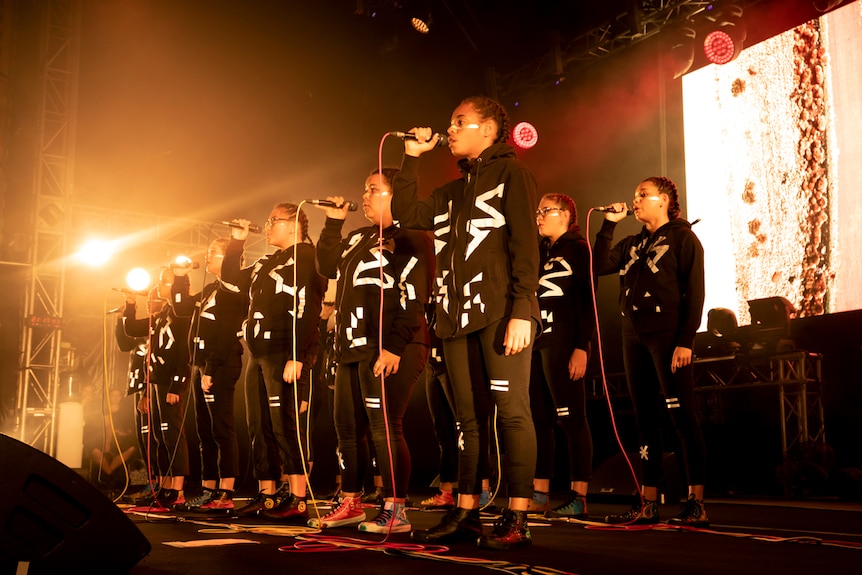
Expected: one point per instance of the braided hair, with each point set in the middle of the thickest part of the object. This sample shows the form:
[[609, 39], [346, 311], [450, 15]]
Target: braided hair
[[292, 210], [491, 109], [388, 174], [567, 204], [666, 186]]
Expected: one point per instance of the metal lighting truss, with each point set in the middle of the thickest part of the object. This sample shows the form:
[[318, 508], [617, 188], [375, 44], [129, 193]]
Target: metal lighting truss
[[622, 31], [43, 307], [797, 377], [43, 355]]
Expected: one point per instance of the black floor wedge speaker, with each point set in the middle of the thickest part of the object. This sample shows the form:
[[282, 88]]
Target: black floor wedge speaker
[[613, 478], [55, 520]]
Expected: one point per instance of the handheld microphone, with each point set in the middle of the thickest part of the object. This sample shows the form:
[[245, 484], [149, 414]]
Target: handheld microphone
[[193, 265], [443, 140], [351, 206], [253, 228], [132, 291], [613, 210]]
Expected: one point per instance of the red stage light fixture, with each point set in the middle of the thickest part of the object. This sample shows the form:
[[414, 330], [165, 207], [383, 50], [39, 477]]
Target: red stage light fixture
[[525, 135], [724, 43]]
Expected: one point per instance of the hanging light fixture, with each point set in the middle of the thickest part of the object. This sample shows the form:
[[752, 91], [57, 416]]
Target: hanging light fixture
[[421, 20], [525, 135], [680, 50], [724, 43]]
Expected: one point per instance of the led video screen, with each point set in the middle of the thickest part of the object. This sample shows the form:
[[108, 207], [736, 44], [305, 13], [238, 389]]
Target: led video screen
[[774, 169]]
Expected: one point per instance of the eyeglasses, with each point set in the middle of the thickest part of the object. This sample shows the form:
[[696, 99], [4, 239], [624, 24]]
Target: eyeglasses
[[544, 212], [274, 220]]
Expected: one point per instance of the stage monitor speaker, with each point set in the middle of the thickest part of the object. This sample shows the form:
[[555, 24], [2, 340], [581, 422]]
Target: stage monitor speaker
[[53, 519], [613, 479]]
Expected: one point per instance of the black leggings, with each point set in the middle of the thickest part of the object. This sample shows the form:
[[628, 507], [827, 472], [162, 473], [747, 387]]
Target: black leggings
[[556, 399], [271, 412], [359, 407], [505, 381], [215, 423], [440, 401], [653, 388], [168, 432]]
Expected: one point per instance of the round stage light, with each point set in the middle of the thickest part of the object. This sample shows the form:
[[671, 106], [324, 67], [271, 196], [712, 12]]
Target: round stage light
[[525, 135], [138, 279], [95, 253], [719, 47]]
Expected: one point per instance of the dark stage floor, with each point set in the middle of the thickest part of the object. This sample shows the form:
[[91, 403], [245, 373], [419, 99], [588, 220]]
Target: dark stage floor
[[746, 536]]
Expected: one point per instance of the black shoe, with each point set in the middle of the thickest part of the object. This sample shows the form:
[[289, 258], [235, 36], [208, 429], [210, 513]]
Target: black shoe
[[292, 508], [166, 498], [510, 530], [142, 497], [374, 498], [457, 525], [194, 503], [692, 515], [637, 515], [221, 502], [260, 501]]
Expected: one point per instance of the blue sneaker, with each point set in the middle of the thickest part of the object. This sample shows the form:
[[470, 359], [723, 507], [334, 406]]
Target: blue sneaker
[[539, 504], [575, 507], [486, 502], [391, 519]]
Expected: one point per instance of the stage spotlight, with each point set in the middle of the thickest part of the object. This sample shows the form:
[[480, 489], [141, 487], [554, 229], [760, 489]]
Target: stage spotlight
[[138, 279], [721, 337], [421, 21], [680, 49], [95, 252], [826, 5], [724, 43], [525, 135], [770, 324], [721, 322]]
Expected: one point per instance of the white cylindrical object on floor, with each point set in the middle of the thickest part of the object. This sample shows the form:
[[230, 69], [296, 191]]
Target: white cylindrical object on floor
[[70, 435]]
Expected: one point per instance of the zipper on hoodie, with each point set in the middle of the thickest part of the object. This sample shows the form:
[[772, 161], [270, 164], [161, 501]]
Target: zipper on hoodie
[[456, 230]]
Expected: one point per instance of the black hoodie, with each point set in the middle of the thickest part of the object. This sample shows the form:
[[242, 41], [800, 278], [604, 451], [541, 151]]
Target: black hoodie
[[484, 238], [355, 261], [168, 350], [661, 278], [137, 348], [564, 293], [216, 315], [270, 325]]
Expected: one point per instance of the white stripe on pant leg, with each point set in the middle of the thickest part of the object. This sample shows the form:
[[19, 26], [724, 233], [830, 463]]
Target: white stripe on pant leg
[[372, 402], [501, 385]]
